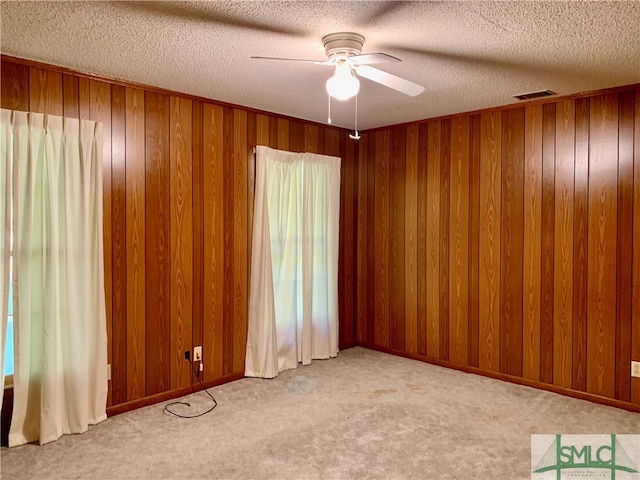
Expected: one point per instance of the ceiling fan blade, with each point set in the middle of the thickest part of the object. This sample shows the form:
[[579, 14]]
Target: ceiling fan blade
[[389, 80], [316, 62], [373, 58], [201, 13]]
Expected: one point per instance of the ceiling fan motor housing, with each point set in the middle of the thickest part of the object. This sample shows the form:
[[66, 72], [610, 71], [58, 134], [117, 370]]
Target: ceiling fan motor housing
[[343, 44]]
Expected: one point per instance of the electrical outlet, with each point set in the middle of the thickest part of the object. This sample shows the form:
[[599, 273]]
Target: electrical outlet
[[197, 353], [635, 369], [187, 355]]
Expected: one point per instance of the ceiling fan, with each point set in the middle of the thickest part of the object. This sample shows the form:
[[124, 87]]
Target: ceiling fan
[[344, 53]]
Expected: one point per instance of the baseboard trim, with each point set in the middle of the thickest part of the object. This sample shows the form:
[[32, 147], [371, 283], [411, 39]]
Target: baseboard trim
[[591, 397], [169, 395]]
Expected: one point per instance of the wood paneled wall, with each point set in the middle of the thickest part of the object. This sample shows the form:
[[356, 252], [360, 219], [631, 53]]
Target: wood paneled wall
[[178, 199], [507, 242]]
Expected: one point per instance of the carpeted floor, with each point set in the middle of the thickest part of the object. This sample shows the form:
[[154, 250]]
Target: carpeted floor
[[363, 414]]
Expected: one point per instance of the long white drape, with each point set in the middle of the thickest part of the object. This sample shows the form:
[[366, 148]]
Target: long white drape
[[60, 379], [293, 297], [5, 230]]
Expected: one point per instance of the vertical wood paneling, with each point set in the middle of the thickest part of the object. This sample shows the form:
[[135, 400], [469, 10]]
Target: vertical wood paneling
[[474, 242], [158, 244], [548, 222], [422, 251], [635, 330], [197, 195], [45, 91], [445, 192], [372, 219], [311, 138], [381, 238], [349, 272], [181, 191], [411, 239], [433, 238], [296, 136], [490, 182], [459, 238], [624, 245], [135, 243], [240, 250], [532, 242], [252, 128], [71, 101], [511, 241], [397, 262], [213, 165], [580, 221], [119, 247], [100, 110], [603, 192], [362, 299], [563, 245], [283, 134], [228, 239], [14, 86], [84, 97]]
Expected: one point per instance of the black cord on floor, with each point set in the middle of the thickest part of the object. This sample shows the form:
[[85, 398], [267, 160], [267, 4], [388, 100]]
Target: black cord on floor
[[170, 412]]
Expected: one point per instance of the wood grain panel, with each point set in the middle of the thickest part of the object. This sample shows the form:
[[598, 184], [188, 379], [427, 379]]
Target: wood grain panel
[[119, 248], [410, 240], [459, 242], [229, 161], [296, 136], [397, 184], [213, 164], [602, 233], [341, 249], [362, 214], [422, 252], [45, 91], [474, 242], [563, 245], [135, 242], [532, 242], [273, 132], [84, 97], [331, 142], [262, 129], [100, 110], [14, 86], [349, 272], [252, 133], [433, 238], [197, 197], [511, 249], [311, 138], [240, 245], [381, 238], [70, 93], [490, 182], [158, 244], [283, 134], [580, 221], [635, 340], [624, 245], [548, 224], [182, 242], [445, 192], [372, 219]]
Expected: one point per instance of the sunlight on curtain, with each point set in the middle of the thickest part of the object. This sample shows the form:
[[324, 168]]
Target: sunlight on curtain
[[5, 230], [60, 378], [293, 298]]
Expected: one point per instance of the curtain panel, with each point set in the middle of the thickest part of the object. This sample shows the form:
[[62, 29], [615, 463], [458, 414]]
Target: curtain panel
[[60, 379], [293, 295]]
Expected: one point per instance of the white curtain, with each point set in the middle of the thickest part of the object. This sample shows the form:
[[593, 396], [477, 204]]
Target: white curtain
[[293, 296], [5, 230], [60, 379]]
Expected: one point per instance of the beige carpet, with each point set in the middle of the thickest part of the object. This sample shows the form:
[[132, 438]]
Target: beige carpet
[[364, 414]]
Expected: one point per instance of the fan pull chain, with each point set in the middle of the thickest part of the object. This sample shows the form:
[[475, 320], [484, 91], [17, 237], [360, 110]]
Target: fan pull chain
[[329, 119], [356, 135]]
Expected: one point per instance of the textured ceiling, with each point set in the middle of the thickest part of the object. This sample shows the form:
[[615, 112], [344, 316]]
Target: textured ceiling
[[468, 54]]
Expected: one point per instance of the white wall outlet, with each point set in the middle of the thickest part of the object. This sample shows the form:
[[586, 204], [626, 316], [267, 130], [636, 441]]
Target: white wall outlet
[[635, 369], [197, 353]]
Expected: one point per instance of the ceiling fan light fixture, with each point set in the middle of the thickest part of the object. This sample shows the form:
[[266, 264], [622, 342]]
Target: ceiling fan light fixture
[[343, 84]]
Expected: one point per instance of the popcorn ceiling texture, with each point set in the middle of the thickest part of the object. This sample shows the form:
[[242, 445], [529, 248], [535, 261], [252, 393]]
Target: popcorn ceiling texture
[[468, 54]]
